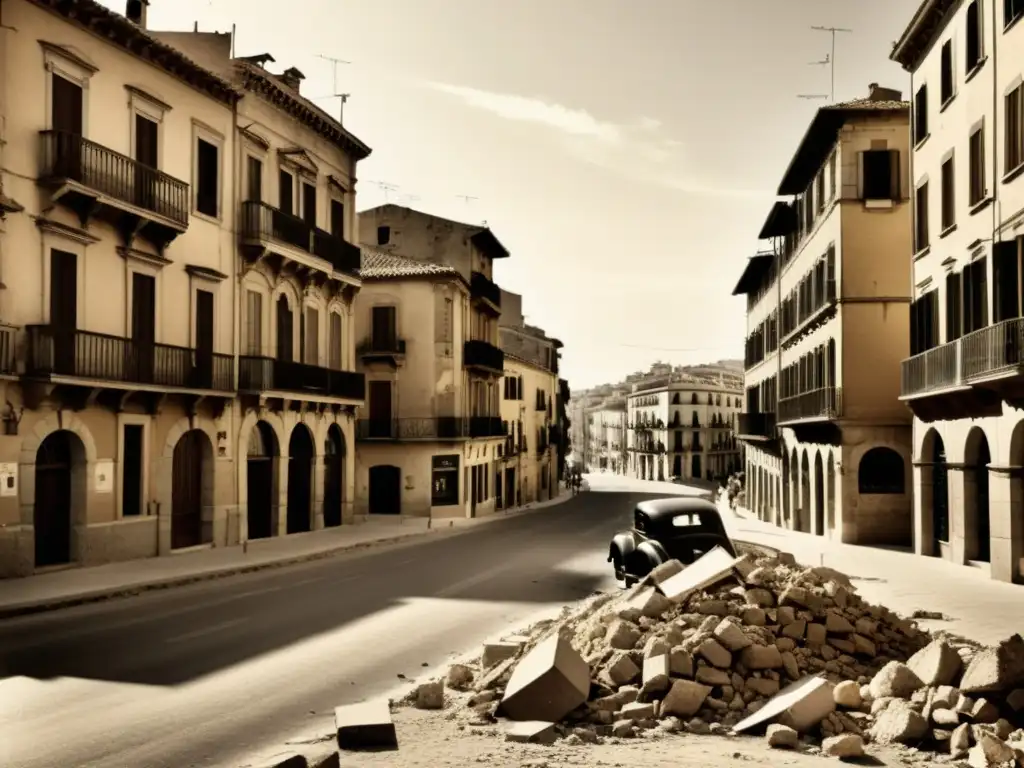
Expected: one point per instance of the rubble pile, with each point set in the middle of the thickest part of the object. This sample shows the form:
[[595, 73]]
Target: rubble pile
[[730, 644]]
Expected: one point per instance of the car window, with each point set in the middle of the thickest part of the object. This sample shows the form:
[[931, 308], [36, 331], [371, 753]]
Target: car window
[[687, 520]]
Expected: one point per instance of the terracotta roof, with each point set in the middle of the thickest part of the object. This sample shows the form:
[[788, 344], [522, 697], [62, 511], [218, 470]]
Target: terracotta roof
[[117, 30], [378, 265], [870, 105]]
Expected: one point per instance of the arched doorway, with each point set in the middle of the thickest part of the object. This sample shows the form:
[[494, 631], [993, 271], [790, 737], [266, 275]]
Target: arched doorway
[[191, 491], [977, 457], [819, 495], [830, 495], [261, 476], [933, 492], [59, 459], [300, 480], [334, 476], [795, 502], [804, 523], [385, 490]]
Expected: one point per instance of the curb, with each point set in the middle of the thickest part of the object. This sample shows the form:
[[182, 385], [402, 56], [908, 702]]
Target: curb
[[102, 595]]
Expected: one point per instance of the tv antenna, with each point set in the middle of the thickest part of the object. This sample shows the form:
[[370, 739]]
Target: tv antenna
[[335, 93], [812, 95], [386, 188], [832, 56], [467, 199]]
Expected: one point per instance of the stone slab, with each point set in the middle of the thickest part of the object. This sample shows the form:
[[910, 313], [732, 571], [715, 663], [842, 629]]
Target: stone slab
[[548, 683], [801, 706], [709, 569], [367, 725]]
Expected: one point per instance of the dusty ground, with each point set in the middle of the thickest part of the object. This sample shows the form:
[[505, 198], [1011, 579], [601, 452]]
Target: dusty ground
[[432, 739]]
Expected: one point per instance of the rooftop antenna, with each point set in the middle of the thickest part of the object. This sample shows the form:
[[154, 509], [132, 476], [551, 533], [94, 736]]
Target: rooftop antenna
[[812, 95], [467, 199], [386, 188], [335, 94], [832, 57]]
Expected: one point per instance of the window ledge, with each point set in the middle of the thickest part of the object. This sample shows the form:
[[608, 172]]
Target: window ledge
[[947, 102], [1013, 173], [973, 71], [207, 217], [1013, 23], [948, 230], [879, 203], [921, 143], [982, 204], [923, 252]]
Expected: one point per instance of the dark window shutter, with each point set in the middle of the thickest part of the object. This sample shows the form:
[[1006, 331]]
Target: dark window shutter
[[895, 193], [915, 346], [1005, 277], [953, 307]]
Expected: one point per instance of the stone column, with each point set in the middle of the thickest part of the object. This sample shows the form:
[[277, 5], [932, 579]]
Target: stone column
[[959, 486], [1006, 510]]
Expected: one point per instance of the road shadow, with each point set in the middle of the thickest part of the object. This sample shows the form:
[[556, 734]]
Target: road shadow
[[172, 637]]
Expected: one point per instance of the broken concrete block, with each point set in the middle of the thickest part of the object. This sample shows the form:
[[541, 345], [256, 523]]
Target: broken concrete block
[[495, 653], [548, 683], [662, 573], [759, 657], [651, 603], [684, 698], [655, 675], [729, 634], [895, 679], [996, 669], [1015, 700], [713, 567], [285, 760], [800, 705], [838, 624], [622, 635], [713, 677], [983, 711], [846, 746], [367, 725], [937, 663], [782, 737], [898, 723], [715, 654], [816, 634], [460, 677], [532, 732], [621, 669], [680, 663], [990, 752], [847, 694], [960, 741], [637, 711], [429, 695]]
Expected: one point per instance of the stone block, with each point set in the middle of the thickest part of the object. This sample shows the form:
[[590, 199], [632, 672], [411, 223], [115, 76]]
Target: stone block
[[937, 663], [801, 706], [713, 567], [996, 669], [548, 683], [367, 725], [284, 760], [532, 732], [495, 653]]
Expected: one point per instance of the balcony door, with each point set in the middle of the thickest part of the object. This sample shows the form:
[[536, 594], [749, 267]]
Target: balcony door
[[66, 111], [383, 329], [204, 339], [309, 203], [254, 186], [380, 408], [63, 309], [146, 161], [143, 325], [284, 331]]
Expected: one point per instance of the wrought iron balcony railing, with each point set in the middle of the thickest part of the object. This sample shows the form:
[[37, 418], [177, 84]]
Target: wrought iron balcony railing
[[756, 425], [262, 374], [482, 354], [481, 287], [822, 404], [264, 222]]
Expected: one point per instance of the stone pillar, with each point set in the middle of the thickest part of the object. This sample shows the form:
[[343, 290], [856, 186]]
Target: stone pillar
[[1006, 509], [922, 496], [959, 486]]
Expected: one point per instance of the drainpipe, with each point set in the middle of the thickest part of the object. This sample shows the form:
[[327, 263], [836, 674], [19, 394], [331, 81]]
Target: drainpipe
[[236, 304]]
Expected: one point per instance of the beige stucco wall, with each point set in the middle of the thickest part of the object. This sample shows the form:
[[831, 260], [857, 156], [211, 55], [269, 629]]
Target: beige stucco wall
[[536, 475]]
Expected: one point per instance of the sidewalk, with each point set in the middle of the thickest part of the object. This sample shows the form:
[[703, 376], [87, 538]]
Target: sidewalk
[[974, 606], [75, 586]]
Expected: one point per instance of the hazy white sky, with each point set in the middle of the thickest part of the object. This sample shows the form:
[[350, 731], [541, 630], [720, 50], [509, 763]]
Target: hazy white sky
[[625, 151]]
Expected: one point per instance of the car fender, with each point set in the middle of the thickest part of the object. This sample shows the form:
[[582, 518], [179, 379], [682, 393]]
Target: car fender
[[648, 556], [622, 547]]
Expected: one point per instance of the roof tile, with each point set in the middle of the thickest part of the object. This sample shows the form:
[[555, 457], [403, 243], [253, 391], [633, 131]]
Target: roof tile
[[380, 265]]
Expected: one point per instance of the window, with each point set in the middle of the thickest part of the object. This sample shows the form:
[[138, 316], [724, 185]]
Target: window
[[1006, 273], [383, 235], [977, 163], [254, 178], [954, 306], [1012, 10], [286, 191], [975, 296], [207, 177], [819, 191], [924, 323], [921, 240], [974, 48], [132, 474], [946, 68], [334, 342], [309, 203], [948, 195], [384, 328], [881, 470], [312, 333], [832, 176], [338, 218], [921, 114], [1014, 155], [880, 174], [253, 323]]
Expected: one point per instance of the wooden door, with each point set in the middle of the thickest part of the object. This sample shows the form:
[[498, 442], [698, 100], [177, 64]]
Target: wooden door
[[300, 481], [67, 116], [143, 326], [204, 339], [187, 491], [380, 409], [131, 471], [385, 490], [63, 310], [146, 162], [51, 513], [334, 477], [284, 330]]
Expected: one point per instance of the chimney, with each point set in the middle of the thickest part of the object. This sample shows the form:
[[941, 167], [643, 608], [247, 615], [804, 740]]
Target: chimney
[[878, 93], [135, 11], [292, 78]]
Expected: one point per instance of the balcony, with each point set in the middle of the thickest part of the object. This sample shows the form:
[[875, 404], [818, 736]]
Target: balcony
[[424, 428], [98, 357], [484, 291], [382, 349], [971, 374], [825, 404], [93, 180], [756, 426], [271, 229], [484, 356], [265, 374]]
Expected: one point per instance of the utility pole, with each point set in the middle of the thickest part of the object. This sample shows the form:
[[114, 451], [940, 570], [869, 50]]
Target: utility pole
[[334, 93], [832, 57]]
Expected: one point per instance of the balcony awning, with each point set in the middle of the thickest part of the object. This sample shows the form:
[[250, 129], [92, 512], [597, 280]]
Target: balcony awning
[[781, 221], [757, 268]]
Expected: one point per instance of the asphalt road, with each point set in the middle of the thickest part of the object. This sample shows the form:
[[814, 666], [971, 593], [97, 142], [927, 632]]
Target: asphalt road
[[206, 674]]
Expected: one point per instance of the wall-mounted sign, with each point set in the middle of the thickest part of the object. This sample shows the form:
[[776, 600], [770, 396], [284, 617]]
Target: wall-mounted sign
[[103, 476], [8, 479], [445, 480]]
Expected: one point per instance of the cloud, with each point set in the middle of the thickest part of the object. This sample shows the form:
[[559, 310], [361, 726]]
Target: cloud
[[639, 149]]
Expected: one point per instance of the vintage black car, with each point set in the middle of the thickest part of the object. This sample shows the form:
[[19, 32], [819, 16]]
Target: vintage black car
[[683, 528]]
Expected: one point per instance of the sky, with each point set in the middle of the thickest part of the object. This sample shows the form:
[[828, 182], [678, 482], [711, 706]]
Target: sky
[[626, 152]]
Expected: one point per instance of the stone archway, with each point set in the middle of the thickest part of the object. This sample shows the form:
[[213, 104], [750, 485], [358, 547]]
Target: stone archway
[[334, 476], [977, 520], [300, 480], [933, 494], [192, 490], [819, 495], [262, 457], [61, 488]]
